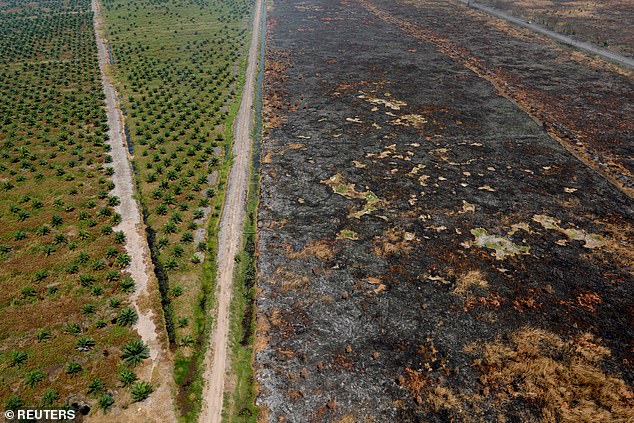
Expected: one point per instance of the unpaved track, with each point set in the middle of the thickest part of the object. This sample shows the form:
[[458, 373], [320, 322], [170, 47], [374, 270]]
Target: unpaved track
[[230, 236], [581, 45], [160, 404]]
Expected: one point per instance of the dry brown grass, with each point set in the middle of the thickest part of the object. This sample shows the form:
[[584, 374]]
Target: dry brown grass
[[431, 394], [394, 241], [563, 378], [321, 249], [289, 280], [468, 281]]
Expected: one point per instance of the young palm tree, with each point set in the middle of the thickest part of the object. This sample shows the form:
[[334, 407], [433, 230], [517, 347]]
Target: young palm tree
[[127, 284], [119, 237], [49, 397], [127, 377], [96, 386], [135, 352], [123, 260], [85, 344], [141, 391], [73, 367], [127, 317], [18, 358], [105, 402], [34, 377]]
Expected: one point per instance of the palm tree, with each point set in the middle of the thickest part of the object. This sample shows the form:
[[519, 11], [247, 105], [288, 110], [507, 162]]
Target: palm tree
[[73, 367], [135, 352], [34, 377], [85, 344], [127, 317], [49, 397], [141, 391], [127, 377], [123, 260]]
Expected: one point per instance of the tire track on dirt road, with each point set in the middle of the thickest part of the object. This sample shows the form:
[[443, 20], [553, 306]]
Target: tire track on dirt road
[[159, 407], [230, 235]]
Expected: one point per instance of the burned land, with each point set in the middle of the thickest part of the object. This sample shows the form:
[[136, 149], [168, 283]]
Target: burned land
[[445, 222], [599, 22]]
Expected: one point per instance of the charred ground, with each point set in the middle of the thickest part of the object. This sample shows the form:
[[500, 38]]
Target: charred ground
[[427, 250]]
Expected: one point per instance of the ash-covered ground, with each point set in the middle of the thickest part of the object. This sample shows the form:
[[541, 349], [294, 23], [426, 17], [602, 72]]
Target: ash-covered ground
[[430, 248]]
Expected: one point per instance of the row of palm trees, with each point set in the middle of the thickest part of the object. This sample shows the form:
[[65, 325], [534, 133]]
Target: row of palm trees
[[60, 255], [177, 87]]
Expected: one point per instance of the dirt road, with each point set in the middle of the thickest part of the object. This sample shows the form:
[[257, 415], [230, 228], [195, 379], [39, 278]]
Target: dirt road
[[230, 236], [581, 45], [160, 406]]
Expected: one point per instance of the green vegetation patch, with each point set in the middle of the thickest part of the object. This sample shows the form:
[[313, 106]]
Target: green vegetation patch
[[503, 247], [589, 240], [340, 186]]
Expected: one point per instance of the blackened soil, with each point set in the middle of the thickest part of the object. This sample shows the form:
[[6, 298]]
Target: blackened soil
[[343, 323]]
